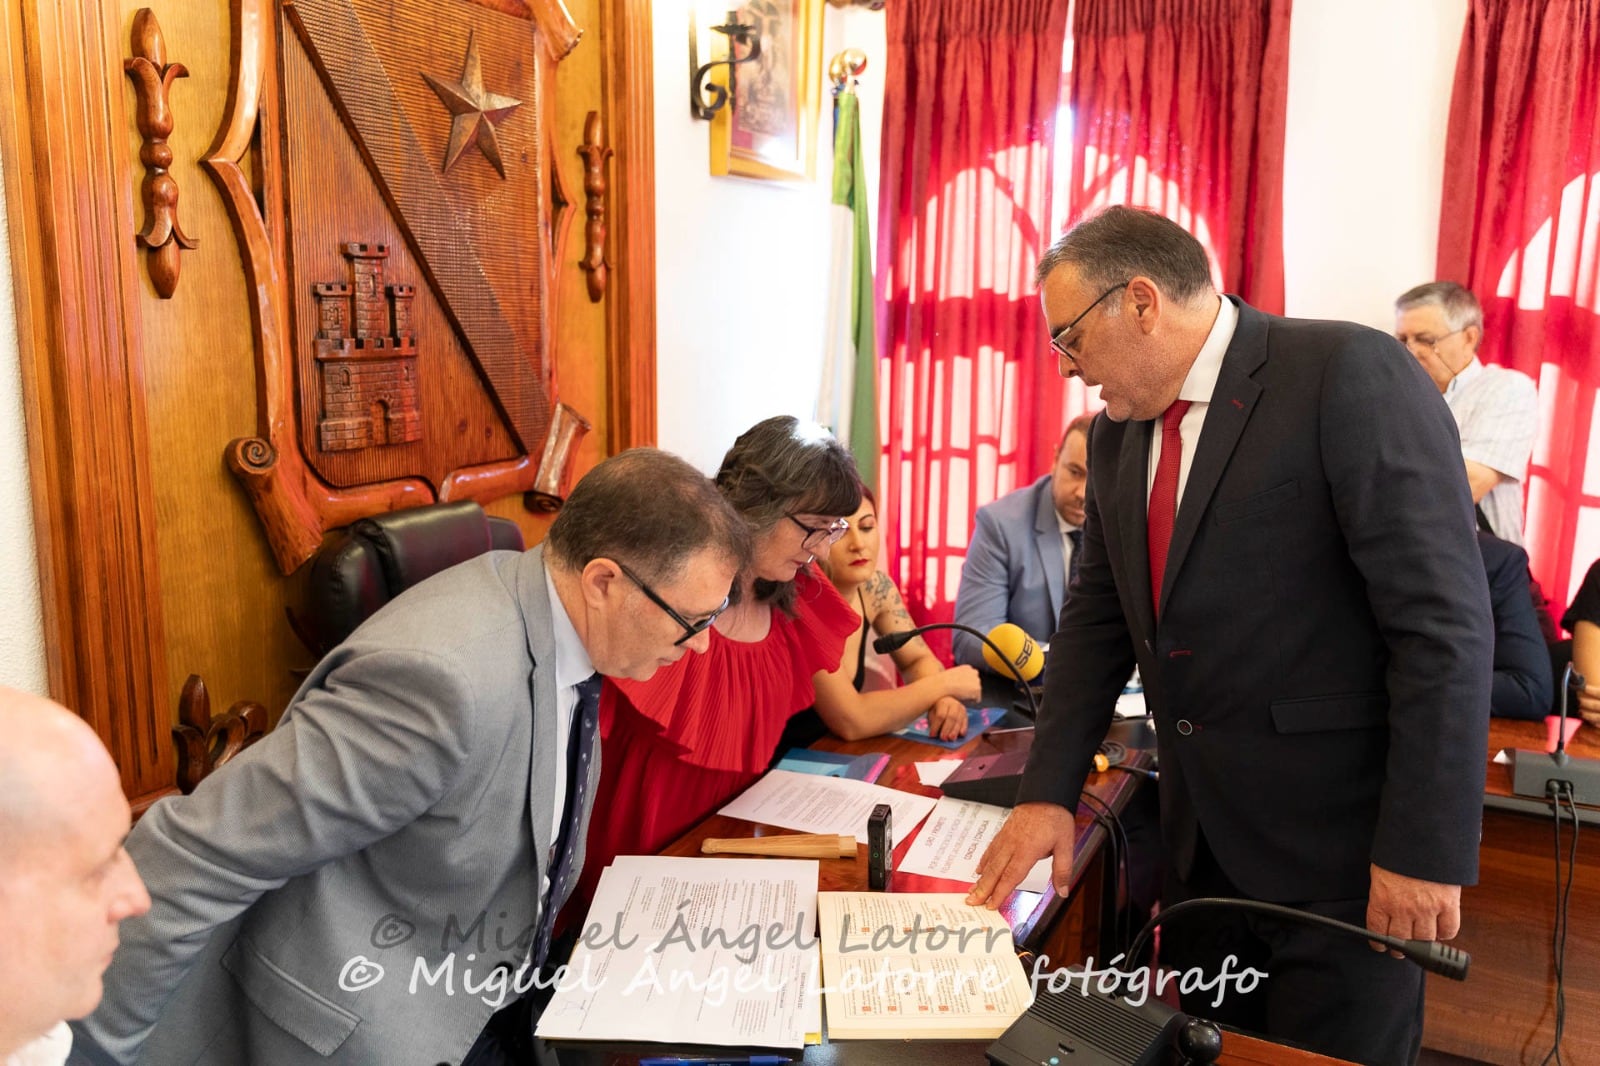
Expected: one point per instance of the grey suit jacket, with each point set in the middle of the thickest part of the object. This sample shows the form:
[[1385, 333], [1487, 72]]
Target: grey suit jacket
[[343, 890], [1014, 571]]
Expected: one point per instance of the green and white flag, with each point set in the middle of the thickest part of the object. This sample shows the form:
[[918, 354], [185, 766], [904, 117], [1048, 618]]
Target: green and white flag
[[848, 402]]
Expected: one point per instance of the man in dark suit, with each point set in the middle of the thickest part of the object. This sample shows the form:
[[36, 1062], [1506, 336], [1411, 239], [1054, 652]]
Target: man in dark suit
[[1279, 532], [1025, 547]]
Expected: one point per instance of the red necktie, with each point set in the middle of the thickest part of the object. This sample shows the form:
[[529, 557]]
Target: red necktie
[[1164, 497]]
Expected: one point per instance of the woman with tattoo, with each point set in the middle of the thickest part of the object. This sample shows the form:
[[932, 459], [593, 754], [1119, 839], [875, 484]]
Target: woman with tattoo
[[844, 708]]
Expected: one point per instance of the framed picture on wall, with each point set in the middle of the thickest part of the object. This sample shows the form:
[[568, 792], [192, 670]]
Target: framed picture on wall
[[769, 128]]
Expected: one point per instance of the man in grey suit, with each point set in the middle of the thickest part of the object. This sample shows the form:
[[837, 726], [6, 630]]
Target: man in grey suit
[[373, 880], [1025, 547], [1278, 531]]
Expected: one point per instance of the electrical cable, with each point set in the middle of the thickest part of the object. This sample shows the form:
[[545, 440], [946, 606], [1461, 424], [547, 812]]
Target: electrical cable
[[1121, 856], [1558, 937]]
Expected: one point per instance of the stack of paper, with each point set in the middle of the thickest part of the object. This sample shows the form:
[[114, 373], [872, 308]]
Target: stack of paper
[[697, 951], [918, 966]]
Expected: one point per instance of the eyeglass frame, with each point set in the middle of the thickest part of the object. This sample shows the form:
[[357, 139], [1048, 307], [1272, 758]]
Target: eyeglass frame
[[690, 629], [1433, 345], [1056, 337], [832, 532]]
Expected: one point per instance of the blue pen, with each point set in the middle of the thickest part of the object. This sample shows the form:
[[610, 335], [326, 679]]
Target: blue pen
[[742, 1060]]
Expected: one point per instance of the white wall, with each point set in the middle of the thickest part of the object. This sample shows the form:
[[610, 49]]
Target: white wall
[[741, 327], [741, 264], [1369, 92], [22, 663]]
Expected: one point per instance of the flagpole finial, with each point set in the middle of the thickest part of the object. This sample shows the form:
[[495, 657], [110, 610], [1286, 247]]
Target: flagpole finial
[[845, 68]]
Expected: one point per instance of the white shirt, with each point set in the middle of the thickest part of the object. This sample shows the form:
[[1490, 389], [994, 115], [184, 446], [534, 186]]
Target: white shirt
[[1497, 413], [572, 667], [51, 1049], [1197, 388]]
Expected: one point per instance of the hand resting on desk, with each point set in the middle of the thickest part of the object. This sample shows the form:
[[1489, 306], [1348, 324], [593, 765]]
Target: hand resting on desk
[[1033, 831]]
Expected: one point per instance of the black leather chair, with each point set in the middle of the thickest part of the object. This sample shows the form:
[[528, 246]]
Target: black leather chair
[[378, 558]]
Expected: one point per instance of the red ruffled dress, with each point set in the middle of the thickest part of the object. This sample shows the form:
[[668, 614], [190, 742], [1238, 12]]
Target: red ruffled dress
[[677, 747]]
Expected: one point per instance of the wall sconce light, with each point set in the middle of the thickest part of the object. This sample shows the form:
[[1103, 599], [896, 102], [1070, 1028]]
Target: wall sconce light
[[706, 97]]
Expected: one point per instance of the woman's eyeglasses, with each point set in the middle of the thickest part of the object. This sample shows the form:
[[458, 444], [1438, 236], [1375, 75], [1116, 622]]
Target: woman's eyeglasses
[[818, 538]]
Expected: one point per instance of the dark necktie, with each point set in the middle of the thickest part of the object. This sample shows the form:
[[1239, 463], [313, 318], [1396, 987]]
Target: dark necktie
[[1164, 497], [1075, 538], [580, 753]]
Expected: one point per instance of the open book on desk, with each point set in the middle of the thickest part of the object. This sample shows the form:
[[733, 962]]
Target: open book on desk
[[917, 965], [694, 951]]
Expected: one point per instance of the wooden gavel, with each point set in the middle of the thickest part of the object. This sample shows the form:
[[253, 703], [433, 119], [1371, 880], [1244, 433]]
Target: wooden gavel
[[790, 846]]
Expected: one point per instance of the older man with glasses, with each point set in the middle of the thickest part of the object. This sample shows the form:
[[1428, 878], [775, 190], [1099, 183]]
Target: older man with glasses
[[1496, 409], [422, 806]]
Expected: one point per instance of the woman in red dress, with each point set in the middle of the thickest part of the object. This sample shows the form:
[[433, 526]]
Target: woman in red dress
[[677, 747]]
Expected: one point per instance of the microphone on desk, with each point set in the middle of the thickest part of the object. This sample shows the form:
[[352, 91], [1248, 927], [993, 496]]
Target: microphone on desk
[[1435, 956], [1571, 681], [1557, 776], [1007, 648]]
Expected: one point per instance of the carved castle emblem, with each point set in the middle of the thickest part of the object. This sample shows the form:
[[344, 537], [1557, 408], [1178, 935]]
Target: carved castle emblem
[[366, 357]]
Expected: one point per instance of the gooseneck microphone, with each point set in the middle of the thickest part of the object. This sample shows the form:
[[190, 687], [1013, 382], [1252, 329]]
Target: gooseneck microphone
[[1571, 681], [1023, 661], [1435, 956]]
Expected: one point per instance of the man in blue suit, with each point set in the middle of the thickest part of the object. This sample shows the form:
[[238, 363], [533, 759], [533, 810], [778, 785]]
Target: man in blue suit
[[1024, 551]]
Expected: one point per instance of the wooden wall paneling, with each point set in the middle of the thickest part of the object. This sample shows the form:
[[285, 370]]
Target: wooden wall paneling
[[629, 92], [63, 128], [225, 597]]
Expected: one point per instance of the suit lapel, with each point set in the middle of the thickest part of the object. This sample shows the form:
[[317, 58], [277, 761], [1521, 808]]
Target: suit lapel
[[1131, 494], [1229, 410], [535, 599], [1047, 535]]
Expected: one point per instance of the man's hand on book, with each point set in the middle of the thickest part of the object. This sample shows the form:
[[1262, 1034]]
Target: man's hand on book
[[1033, 831]]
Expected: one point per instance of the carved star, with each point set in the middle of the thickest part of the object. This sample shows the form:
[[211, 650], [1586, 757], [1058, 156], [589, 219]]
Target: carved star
[[476, 112]]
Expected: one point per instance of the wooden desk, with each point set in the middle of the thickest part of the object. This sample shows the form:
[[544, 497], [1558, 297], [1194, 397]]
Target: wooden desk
[[1504, 1013], [1067, 931]]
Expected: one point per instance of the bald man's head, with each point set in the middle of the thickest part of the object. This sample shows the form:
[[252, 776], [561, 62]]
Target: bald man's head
[[65, 880]]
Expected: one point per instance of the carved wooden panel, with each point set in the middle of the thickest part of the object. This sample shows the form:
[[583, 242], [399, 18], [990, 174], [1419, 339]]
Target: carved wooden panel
[[152, 77], [595, 156], [152, 563], [366, 357], [206, 742], [456, 176]]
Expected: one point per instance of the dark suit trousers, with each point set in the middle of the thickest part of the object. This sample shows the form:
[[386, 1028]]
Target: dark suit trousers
[[1324, 991]]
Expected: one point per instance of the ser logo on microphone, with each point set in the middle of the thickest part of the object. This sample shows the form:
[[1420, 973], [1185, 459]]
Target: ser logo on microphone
[[1023, 659]]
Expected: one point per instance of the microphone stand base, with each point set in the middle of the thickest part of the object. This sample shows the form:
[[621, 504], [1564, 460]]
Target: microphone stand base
[[1536, 773]]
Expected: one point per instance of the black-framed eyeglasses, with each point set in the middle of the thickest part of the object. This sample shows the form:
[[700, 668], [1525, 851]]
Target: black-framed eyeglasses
[[690, 629], [1430, 343], [1059, 337], [819, 537]]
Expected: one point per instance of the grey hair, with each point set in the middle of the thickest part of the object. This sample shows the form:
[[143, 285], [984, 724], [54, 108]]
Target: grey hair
[[650, 510], [1120, 243], [1461, 308]]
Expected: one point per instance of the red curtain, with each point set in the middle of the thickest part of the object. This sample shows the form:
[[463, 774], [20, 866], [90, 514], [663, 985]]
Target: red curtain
[[969, 108], [1520, 227], [1178, 106]]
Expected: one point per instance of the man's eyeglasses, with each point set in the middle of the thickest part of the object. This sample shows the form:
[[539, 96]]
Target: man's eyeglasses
[[690, 629], [1429, 344], [1058, 339], [818, 538]]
